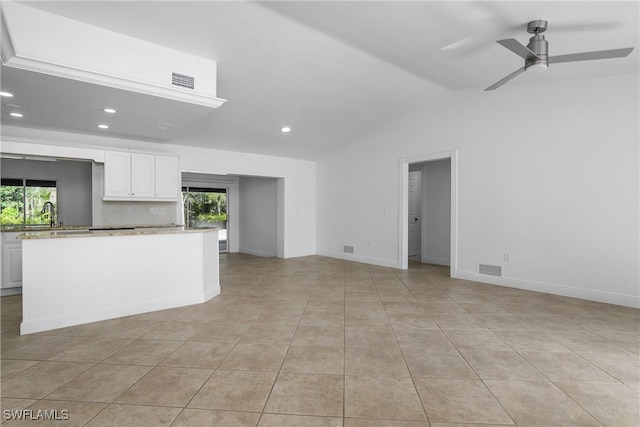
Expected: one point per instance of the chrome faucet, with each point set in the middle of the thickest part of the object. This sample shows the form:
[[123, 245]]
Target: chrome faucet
[[52, 212]]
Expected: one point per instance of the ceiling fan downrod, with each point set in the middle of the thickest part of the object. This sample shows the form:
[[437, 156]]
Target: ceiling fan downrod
[[539, 46]]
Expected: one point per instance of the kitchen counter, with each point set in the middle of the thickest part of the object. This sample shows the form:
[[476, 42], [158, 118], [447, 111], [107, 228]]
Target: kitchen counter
[[25, 228], [93, 275], [106, 231], [35, 228]]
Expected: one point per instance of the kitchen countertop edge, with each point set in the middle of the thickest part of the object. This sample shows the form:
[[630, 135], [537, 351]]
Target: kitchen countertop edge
[[60, 233]]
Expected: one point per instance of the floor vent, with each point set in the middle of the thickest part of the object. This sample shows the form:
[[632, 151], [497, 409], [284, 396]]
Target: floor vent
[[348, 249], [492, 270], [182, 80]]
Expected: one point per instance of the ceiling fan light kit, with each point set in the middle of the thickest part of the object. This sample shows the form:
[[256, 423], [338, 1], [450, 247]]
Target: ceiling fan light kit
[[536, 53]]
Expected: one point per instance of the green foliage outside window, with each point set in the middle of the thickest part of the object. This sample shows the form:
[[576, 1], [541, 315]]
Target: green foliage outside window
[[21, 201], [204, 207]]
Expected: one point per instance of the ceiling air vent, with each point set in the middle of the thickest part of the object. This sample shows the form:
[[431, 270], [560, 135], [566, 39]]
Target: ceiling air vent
[[182, 80], [492, 270]]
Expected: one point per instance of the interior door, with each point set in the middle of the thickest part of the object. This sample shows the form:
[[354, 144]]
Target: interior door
[[415, 188]]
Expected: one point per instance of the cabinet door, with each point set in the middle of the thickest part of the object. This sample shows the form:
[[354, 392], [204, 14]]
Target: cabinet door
[[166, 177], [117, 174], [143, 182], [12, 266]]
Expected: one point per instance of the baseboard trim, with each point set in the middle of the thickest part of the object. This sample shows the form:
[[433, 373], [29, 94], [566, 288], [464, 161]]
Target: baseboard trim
[[210, 293], [10, 291], [552, 288], [359, 258], [258, 253], [106, 313], [436, 260]]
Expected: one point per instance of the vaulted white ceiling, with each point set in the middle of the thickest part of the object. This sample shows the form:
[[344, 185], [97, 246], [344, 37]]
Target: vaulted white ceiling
[[331, 70]]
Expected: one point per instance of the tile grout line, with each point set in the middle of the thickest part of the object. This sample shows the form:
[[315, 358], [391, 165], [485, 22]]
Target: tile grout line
[[415, 387], [266, 402]]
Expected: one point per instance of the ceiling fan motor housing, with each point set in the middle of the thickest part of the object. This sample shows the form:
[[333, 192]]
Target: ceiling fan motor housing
[[539, 46]]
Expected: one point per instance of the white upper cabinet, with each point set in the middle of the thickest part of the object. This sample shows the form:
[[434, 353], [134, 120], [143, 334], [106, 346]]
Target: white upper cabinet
[[117, 174], [166, 177], [135, 176], [143, 176]]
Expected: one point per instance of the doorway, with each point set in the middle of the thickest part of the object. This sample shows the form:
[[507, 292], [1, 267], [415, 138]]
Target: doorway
[[207, 208], [428, 210], [415, 212]]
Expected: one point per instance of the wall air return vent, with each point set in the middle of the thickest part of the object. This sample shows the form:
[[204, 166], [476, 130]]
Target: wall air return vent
[[348, 249], [491, 270], [182, 80]]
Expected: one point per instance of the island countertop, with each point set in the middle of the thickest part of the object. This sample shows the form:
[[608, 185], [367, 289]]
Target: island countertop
[[109, 231], [9, 228]]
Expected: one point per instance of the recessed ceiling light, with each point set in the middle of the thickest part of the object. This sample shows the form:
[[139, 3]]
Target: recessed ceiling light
[[109, 110], [103, 126], [16, 115], [285, 129], [7, 94]]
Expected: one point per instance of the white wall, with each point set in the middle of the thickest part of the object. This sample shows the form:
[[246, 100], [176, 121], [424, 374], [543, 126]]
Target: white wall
[[298, 177], [554, 183], [561, 198], [73, 185], [358, 197], [258, 216], [436, 222]]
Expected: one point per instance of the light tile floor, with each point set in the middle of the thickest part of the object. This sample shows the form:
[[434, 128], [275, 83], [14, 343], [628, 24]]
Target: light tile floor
[[315, 341]]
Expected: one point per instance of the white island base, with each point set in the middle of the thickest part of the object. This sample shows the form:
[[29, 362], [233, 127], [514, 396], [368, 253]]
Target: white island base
[[71, 280]]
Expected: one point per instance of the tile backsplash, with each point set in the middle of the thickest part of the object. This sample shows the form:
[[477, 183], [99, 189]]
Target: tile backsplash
[[139, 213]]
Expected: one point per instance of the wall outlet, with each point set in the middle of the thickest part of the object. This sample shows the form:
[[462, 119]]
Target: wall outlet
[[129, 211], [506, 257], [369, 243], [156, 211]]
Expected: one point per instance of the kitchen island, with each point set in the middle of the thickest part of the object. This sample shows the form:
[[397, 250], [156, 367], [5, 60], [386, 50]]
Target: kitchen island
[[71, 277]]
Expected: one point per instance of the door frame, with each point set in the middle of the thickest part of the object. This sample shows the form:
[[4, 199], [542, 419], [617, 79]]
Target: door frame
[[403, 221]]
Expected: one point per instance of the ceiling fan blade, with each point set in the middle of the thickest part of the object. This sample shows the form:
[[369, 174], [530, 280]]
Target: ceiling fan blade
[[518, 48], [506, 79], [588, 56], [586, 26]]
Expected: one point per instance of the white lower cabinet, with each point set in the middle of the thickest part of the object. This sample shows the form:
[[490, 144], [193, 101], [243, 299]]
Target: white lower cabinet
[[11, 261]]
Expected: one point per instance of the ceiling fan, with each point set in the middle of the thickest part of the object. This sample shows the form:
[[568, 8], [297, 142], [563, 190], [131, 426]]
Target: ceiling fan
[[535, 54]]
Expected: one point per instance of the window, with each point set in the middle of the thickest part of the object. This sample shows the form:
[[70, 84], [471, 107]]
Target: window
[[23, 200]]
